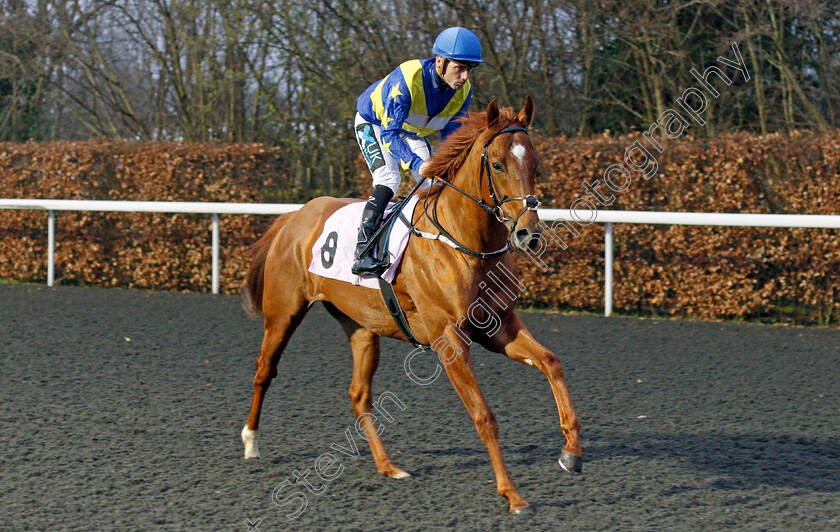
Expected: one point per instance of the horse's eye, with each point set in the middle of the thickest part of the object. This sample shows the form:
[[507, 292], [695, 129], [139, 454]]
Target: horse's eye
[[497, 167]]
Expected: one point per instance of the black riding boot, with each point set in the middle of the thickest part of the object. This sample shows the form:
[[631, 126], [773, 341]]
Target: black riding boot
[[371, 218]]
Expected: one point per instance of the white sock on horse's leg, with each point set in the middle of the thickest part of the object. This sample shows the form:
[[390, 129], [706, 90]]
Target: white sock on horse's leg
[[249, 438]]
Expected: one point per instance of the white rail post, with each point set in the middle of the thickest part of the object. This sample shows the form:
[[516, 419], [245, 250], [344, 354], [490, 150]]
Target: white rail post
[[50, 248], [608, 268], [215, 253]]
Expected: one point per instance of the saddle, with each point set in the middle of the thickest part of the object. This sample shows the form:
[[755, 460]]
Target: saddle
[[332, 253]]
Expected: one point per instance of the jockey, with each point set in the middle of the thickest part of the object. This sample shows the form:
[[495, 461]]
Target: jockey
[[396, 114]]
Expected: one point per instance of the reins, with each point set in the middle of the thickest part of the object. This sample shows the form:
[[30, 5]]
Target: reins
[[530, 201]]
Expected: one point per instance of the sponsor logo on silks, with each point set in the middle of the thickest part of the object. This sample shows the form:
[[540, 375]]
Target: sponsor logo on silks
[[370, 148]]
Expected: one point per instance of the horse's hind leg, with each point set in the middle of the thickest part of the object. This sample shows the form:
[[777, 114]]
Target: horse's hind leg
[[278, 329], [365, 346]]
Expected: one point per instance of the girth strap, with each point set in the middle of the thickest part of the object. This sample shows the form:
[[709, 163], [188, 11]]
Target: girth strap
[[393, 306]]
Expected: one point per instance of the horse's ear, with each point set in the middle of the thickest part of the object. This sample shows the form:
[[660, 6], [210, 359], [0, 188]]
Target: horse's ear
[[527, 113], [492, 113]]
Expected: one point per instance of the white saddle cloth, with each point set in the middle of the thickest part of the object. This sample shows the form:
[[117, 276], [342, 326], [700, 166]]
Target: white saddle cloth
[[332, 254]]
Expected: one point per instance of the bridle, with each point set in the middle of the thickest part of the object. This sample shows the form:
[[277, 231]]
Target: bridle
[[530, 203]]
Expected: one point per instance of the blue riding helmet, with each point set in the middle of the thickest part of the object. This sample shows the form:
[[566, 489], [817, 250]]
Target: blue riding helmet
[[458, 44]]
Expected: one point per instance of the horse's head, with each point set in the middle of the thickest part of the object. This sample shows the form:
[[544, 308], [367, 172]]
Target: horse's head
[[508, 169]]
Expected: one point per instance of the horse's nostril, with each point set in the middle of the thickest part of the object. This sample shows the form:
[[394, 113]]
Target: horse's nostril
[[526, 238]]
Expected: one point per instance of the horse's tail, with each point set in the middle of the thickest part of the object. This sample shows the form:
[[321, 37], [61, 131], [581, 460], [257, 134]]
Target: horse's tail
[[252, 290]]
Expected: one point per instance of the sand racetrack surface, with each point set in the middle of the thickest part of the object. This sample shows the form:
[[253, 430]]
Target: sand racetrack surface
[[121, 410]]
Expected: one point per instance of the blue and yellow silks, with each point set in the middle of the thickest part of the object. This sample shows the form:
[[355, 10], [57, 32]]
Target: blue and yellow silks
[[413, 100]]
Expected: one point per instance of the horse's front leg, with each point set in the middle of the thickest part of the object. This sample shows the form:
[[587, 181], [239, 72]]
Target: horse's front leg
[[459, 367], [515, 340]]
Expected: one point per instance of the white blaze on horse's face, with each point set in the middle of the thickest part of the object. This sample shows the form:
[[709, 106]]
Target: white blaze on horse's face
[[518, 151], [522, 162]]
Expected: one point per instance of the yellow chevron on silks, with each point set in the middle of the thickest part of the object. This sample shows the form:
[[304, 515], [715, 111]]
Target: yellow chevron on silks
[[376, 100], [412, 72], [418, 121]]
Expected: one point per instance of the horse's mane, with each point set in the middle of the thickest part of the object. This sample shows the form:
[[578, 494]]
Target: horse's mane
[[452, 153]]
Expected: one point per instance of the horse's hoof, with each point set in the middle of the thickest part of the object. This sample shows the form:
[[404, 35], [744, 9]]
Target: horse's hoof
[[400, 475], [570, 463], [527, 510]]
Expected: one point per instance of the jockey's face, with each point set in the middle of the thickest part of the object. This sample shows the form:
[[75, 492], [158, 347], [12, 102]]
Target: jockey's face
[[455, 74]]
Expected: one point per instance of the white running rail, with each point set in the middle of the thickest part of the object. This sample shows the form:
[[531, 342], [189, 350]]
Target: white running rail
[[813, 221], [608, 218], [214, 209]]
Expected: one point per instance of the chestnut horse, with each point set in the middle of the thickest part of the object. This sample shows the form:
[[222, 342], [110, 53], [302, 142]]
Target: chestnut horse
[[492, 163]]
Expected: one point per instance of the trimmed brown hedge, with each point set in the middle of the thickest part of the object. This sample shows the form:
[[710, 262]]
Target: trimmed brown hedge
[[665, 270], [137, 250], [709, 272]]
